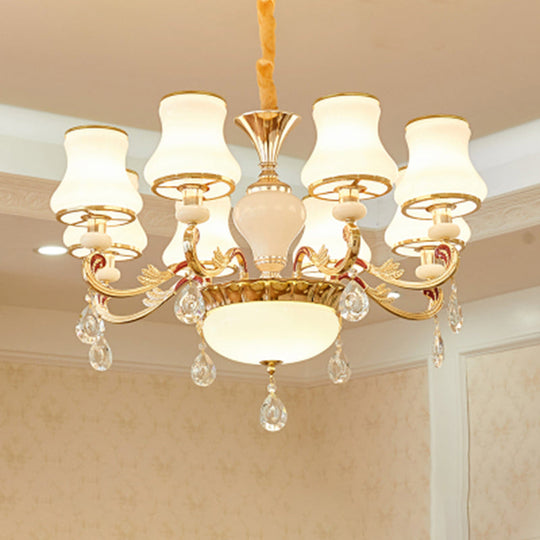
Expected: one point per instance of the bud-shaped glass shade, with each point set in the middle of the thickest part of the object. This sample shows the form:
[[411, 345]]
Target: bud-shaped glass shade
[[407, 236], [214, 233], [348, 151], [96, 183], [322, 229], [129, 241], [192, 148], [440, 171]]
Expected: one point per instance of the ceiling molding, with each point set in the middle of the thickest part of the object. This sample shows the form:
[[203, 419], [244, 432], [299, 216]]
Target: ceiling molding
[[507, 213], [29, 197]]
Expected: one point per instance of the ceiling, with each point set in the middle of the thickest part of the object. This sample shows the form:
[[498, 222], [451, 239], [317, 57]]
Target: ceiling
[[112, 61]]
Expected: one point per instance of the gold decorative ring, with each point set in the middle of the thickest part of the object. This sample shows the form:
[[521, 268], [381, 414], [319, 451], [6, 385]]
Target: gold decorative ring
[[95, 126], [416, 244], [122, 252], [346, 94], [419, 206], [216, 186], [327, 188], [79, 216]]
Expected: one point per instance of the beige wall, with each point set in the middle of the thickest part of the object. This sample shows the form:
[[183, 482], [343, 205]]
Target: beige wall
[[131, 455], [504, 412]]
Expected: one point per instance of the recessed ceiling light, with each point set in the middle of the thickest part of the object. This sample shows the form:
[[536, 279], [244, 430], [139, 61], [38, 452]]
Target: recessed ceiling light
[[393, 295], [51, 251]]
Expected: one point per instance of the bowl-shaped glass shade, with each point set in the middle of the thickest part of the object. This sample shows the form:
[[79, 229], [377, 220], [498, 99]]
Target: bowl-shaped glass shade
[[440, 171], [348, 150], [96, 182], [192, 148], [253, 332], [322, 229], [214, 233]]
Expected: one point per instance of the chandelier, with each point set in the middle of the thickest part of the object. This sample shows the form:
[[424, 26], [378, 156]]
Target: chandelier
[[294, 308]]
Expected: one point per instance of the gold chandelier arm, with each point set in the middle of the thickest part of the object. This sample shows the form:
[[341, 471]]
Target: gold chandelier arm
[[217, 264], [149, 278], [390, 271], [265, 65], [102, 309], [380, 296], [241, 262], [321, 260]]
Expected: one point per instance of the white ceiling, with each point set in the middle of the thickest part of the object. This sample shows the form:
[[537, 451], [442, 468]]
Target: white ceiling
[[112, 61]]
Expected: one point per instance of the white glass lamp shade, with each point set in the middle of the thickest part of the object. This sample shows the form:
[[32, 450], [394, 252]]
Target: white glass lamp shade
[[192, 148], [214, 233], [322, 229], [96, 183], [271, 330], [348, 151], [407, 236], [440, 171]]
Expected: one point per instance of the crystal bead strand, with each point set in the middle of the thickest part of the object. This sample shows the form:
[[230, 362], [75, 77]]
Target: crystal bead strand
[[339, 369], [437, 350], [353, 302], [273, 414], [455, 315], [189, 305], [90, 325], [91, 330], [203, 370]]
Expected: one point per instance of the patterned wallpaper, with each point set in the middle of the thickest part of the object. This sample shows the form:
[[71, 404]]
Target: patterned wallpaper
[[374, 439], [504, 411], [136, 456]]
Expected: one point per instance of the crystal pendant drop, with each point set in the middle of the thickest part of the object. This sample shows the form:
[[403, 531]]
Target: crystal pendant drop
[[203, 370], [455, 315], [273, 415], [339, 370], [353, 303], [100, 355], [189, 304], [437, 350], [90, 326]]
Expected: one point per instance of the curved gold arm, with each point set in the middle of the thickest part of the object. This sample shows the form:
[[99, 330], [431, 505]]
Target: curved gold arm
[[150, 278], [390, 272], [321, 260], [103, 310], [219, 261], [380, 296]]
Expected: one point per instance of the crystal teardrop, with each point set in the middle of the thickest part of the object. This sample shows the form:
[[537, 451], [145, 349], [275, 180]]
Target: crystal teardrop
[[100, 355], [273, 416], [339, 370], [437, 350], [90, 326], [203, 370], [455, 315], [189, 304], [353, 302]]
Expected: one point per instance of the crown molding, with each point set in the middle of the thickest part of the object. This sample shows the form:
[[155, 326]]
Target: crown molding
[[27, 196]]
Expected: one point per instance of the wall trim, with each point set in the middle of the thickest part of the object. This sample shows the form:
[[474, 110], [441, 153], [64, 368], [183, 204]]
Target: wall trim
[[28, 196]]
